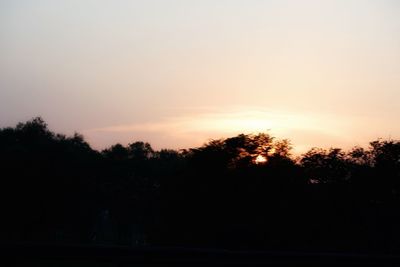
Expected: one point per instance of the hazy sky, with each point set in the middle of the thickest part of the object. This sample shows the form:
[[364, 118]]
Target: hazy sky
[[176, 73]]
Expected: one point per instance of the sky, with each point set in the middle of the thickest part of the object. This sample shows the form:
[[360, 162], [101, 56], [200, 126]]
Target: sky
[[177, 73]]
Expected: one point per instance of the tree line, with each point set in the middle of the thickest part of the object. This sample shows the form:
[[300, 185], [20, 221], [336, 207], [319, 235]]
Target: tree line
[[243, 192]]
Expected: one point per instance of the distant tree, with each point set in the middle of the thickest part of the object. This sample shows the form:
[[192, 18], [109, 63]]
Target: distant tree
[[282, 149], [55, 187], [386, 163], [360, 156], [116, 152], [140, 151], [36, 127], [166, 154], [325, 166], [386, 153], [240, 151]]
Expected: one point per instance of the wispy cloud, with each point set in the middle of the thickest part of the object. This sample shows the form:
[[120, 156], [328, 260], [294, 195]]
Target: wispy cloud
[[197, 126]]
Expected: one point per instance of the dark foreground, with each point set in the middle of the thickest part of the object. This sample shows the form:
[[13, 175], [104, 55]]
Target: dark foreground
[[56, 189], [57, 255]]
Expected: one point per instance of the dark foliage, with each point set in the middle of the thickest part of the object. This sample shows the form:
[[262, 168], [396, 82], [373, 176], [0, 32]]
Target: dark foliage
[[244, 192]]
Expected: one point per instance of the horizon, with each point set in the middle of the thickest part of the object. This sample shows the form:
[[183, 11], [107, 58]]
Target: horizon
[[294, 151], [180, 73]]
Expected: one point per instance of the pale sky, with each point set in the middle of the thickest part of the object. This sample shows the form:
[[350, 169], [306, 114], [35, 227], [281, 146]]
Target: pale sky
[[177, 73]]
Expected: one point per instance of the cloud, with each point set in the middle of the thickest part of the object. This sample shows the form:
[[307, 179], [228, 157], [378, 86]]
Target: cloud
[[197, 126]]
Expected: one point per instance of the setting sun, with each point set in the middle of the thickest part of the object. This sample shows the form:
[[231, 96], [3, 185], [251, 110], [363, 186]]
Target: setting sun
[[260, 159]]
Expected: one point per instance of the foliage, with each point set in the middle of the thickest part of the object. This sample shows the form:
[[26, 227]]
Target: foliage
[[56, 187]]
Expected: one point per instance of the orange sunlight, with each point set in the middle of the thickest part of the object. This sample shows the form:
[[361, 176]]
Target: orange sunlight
[[260, 159]]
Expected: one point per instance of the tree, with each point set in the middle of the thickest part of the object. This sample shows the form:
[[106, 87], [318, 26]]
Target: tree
[[140, 151], [116, 152], [325, 166]]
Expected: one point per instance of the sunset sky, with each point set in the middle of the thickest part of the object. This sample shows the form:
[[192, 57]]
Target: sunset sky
[[177, 73]]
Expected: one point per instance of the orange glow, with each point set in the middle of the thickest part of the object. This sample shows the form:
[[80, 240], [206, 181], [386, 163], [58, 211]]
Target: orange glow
[[260, 159]]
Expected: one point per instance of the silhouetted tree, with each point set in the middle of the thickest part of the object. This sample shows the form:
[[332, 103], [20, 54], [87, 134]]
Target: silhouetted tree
[[56, 187], [140, 151], [325, 166]]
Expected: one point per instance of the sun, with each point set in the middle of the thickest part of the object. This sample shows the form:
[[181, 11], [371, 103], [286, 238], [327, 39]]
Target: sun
[[260, 159]]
